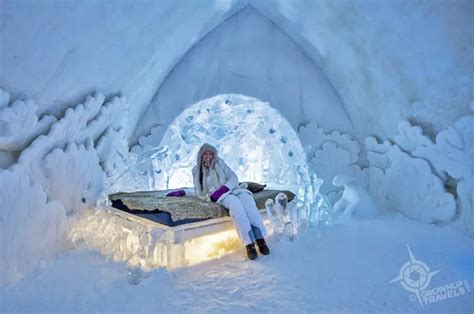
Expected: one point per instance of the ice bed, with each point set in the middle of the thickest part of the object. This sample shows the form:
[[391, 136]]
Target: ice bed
[[174, 211], [149, 230]]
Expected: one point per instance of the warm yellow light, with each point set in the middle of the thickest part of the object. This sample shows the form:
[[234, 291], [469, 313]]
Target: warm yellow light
[[211, 246], [147, 244]]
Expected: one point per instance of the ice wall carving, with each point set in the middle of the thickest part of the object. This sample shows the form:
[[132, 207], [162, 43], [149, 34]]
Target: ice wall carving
[[454, 153], [331, 154], [315, 137], [408, 178], [86, 121], [151, 139], [20, 123], [376, 152], [399, 181], [331, 160], [410, 137], [117, 163], [355, 200], [454, 149], [450, 157], [57, 175], [255, 140], [31, 226], [408, 185], [74, 177]]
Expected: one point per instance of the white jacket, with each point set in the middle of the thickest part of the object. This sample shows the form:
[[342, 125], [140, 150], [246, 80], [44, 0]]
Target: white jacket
[[221, 170]]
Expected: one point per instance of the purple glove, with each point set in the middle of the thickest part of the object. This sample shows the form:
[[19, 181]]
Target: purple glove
[[177, 193], [218, 193]]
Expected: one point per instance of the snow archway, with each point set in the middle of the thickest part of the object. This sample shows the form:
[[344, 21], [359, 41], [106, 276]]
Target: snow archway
[[248, 54], [252, 137]]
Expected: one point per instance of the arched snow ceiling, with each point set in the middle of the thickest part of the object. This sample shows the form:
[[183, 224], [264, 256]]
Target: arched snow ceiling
[[248, 54], [386, 60]]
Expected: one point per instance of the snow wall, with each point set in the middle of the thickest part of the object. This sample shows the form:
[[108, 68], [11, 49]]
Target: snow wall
[[380, 91]]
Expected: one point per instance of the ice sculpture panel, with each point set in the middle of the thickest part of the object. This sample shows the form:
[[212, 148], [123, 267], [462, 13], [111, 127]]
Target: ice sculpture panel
[[20, 123], [251, 136], [355, 200], [31, 225]]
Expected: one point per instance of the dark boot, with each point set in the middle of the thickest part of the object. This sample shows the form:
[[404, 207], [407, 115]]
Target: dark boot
[[262, 247], [251, 251]]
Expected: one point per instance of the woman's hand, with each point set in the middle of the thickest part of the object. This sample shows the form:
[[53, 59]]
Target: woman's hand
[[218, 193], [177, 193]]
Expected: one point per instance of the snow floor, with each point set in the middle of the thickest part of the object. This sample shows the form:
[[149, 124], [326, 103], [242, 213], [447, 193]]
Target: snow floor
[[345, 268]]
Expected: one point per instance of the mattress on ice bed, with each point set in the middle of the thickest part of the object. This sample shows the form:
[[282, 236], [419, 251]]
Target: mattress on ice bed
[[155, 205]]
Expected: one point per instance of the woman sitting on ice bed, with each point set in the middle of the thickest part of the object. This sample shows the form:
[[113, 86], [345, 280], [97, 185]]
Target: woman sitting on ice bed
[[215, 181]]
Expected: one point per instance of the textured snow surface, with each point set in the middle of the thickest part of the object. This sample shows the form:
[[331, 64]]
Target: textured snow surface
[[408, 185], [20, 123], [355, 200], [32, 227], [76, 48], [387, 60], [248, 54], [338, 71], [58, 174], [86, 153], [347, 269], [254, 139], [66, 170]]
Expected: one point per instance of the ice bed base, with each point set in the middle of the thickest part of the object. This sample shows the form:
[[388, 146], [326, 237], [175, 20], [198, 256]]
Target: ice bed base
[[148, 244], [194, 242]]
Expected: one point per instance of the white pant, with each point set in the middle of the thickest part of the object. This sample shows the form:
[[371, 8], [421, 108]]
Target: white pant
[[245, 216]]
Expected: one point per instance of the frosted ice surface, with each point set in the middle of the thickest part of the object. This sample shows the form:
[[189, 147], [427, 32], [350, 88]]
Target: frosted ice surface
[[20, 123], [251, 136], [32, 225], [410, 137], [355, 200], [290, 231], [408, 185]]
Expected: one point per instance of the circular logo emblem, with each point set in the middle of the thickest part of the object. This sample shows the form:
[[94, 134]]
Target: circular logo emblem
[[415, 275]]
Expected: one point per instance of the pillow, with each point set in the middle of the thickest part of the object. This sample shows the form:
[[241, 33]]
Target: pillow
[[255, 187]]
